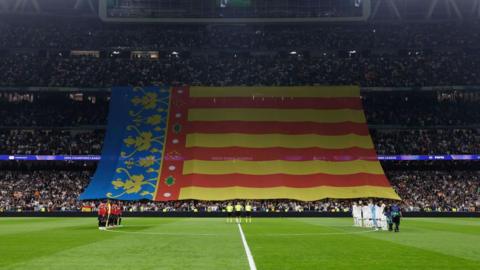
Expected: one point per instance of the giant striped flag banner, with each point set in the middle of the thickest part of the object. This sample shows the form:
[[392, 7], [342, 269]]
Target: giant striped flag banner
[[219, 143]]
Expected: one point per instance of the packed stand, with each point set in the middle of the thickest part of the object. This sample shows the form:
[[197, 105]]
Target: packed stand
[[41, 190], [426, 141], [386, 141], [93, 34], [439, 191], [36, 52], [401, 122], [413, 109], [51, 142], [242, 69], [39, 54], [52, 109], [369, 55], [422, 109]]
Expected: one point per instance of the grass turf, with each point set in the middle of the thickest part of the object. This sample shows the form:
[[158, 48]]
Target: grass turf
[[209, 243]]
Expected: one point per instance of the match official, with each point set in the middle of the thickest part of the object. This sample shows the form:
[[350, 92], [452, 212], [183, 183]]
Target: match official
[[248, 213], [229, 213], [396, 213], [238, 212]]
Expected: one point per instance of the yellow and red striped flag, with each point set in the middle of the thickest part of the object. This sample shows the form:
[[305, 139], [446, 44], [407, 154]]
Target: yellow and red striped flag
[[304, 143]]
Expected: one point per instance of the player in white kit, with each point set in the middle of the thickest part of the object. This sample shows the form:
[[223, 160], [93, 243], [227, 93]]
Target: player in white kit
[[357, 215], [366, 216], [383, 218]]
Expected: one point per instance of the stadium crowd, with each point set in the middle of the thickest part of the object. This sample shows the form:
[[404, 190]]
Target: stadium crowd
[[443, 68], [83, 108], [427, 108], [51, 142], [38, 53], [37, 190], [386, 141], [401, 123], [65, 33], [438, 190], [422, 122], [51, 109], [442, 191], [426, 141]]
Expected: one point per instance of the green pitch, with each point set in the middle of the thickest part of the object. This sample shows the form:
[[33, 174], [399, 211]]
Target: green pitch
[[275, 243]]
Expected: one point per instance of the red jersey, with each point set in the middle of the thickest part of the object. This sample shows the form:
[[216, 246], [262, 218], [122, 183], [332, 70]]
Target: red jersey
[[102, 209], [114, 209]]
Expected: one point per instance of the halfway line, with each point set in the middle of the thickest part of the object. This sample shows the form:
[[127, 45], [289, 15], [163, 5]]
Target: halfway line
[[251, 262]]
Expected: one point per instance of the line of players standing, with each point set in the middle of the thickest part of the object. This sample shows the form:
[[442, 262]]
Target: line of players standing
[[109, 215], [239, 210], [377, 216]]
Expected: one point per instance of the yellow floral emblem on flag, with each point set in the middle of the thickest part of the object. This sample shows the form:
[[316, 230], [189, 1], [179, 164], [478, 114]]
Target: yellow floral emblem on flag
[[143, 140]]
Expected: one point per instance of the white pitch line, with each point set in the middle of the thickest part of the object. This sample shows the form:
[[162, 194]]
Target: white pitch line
[[316, 234], [251, 262], [165, 234], [218, 234]]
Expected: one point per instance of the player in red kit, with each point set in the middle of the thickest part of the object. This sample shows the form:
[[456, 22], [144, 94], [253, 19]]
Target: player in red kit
[[113, 215], [119, 214], [102, 216]]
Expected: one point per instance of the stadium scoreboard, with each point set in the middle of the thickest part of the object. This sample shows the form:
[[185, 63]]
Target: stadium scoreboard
[[233, 10]]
